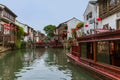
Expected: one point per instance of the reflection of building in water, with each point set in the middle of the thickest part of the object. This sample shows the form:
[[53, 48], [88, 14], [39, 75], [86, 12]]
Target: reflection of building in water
[[28, 58]]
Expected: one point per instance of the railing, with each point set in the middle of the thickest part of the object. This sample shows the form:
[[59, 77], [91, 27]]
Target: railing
[[103, 67]]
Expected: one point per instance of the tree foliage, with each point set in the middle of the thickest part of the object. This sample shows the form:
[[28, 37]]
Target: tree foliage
[[19, 34], [80, 24], [49, 30]]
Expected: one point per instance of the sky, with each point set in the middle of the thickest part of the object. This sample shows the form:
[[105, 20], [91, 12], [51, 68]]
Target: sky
[[40, 13]]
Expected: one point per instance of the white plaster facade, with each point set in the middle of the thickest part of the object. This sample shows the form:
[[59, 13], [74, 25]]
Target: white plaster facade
[[111, 21], [90, 15], [27, 29], [21, 25], [72, 23]]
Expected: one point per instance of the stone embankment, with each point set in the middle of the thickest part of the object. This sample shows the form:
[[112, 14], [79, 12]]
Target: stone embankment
[[3, 49]]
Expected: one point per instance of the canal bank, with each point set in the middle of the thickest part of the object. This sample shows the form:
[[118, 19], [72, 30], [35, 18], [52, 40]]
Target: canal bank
[[3, 49]]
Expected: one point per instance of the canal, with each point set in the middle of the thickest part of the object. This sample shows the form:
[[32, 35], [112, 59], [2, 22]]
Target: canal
[[40, 64]]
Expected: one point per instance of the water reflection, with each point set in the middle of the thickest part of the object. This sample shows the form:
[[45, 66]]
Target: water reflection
[[40, 64]]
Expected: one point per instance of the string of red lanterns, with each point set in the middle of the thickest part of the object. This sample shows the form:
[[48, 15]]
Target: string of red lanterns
[[7, 27]]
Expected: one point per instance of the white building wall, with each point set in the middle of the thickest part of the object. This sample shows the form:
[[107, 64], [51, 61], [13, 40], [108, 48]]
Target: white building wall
[[91, 21], [111, 20], [71, 24], [26, 39], [26, 28], [20, 24], [37, 38], [30, 34], [80, 32], [26, 31]]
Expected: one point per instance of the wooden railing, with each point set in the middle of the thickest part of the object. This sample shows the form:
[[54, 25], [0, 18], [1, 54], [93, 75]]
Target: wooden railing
[[113, 70]]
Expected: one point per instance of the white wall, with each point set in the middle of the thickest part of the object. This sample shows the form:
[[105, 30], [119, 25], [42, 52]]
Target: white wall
[[71, 24], [93, 9], [111, 20], [80, 32]]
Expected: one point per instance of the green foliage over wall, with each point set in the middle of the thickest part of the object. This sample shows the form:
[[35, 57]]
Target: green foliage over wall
[[19, 34], [80, 24], [18, 44]]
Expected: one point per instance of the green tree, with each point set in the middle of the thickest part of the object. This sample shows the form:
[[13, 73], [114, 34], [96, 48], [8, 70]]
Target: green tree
[[49, 30], [19, 34], [80, 24]]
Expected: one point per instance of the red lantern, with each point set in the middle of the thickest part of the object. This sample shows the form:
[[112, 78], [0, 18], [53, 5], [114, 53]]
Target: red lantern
[[76, 28], [8, 25], [15, 27], [7, 28], [5, 25], [73, 30], [86, 25], [98, 19]]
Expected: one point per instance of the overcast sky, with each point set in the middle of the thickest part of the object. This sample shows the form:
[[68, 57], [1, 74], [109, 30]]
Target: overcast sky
[[39, 13]]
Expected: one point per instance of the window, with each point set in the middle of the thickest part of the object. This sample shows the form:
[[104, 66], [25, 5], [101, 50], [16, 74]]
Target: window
[[83, 50], [118, 24], [104, 5], [103, 54], [89, 16], [11, 17], [103, 47], [112, 2], [5, 13], [106, 26]]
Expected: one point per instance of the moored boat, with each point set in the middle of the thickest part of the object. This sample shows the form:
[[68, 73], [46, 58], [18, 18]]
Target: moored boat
[[99, 53]]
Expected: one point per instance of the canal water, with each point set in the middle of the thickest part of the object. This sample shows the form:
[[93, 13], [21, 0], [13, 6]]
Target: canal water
[[40, 64]]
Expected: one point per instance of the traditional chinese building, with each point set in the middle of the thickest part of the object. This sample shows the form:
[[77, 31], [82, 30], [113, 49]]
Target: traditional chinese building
[[7, 25], [109, 12], [90, 18]]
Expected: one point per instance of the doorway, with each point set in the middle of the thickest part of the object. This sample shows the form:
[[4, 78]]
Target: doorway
[[118, 24]]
